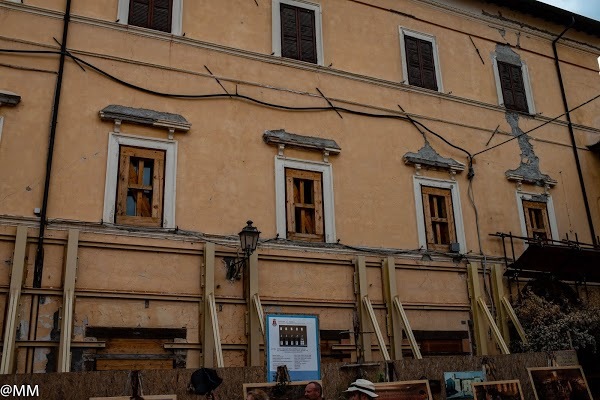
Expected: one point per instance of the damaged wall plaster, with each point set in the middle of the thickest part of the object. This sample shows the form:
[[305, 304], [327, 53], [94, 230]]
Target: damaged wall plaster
[[529, 168], [505, 54]]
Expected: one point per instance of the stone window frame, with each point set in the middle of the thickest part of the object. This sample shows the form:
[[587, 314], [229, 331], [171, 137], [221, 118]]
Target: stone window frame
[[419, 181], [176, 16], [115, 140], [527, 196], [436, 58], [326, 170], [526, 84], [276, 26]]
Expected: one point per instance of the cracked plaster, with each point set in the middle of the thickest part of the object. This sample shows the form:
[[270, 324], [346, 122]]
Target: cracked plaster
[[529, 169]]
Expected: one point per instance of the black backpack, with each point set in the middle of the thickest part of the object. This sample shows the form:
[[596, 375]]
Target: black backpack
[[204, 381]]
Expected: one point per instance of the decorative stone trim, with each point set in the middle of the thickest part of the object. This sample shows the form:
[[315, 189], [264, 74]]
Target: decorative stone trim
[[142, 116], [428, 157], [9, 98], [281, 138]]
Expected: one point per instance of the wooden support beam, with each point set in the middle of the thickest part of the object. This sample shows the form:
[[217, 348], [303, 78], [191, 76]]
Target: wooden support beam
[[495, 331], [409, 333], [254, 317], [364, 345], [497, 272], [479, 331], [7, 364], [259, 311], [208, 283], [513, 316], [66, 323], [390, 290], [380, 341], [212, 307]]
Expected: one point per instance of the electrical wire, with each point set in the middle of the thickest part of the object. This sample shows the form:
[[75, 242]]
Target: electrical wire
[[239, 96], [539, 126]]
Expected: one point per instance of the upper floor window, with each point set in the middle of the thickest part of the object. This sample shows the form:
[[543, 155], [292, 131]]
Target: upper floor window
[[420, 61], [439, 217], [304, 204], [297, 30], [536, 213], [304, 200], [140, 181], [513, 88], [160, 15], [140, 186], [536, 220], [512, 81]]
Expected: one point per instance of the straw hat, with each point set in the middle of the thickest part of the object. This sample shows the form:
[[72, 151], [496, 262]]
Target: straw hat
[[362, 385]]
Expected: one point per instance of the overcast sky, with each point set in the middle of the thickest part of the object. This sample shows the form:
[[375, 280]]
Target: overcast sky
[[589, 8]]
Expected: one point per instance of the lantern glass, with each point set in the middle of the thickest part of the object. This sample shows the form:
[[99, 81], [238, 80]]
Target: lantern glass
[[249, 238]]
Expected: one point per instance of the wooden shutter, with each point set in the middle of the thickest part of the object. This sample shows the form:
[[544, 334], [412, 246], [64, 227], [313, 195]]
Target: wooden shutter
[[536, 219], [154, 14], [140, 180], [298, 33], [420, 63], [439, 218], [513, 87], [161, 15], [304, 205], [139, 12]]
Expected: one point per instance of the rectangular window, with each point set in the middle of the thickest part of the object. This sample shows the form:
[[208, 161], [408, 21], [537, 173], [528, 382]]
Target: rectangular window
[[439, 218], [140, 186], [513, 87], [536, 220], [298, 33], [153, 14], [420, 62], [304, 205]]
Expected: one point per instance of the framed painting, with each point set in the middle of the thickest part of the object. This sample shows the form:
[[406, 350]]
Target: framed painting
[[459, 385], [404, 390], [498, 390], [559, 383], [276, 391]]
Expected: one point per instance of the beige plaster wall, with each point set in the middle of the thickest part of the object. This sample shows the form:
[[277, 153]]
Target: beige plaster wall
[[225, 172]]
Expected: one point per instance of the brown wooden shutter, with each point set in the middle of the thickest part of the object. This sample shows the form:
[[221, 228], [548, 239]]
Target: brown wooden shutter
[[298, 34], [289, 31], [420, 63], [146, 191], [139, 13], [513, 87], [438, 216], [307, 34], [304, 205], [153, 14], [536, 219], [413, 61], [161, 15]]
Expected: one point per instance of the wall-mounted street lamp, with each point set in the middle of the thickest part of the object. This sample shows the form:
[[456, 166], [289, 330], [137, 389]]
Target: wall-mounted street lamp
[[248, 240]]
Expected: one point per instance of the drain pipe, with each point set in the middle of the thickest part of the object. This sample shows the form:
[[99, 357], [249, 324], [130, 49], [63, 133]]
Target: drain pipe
[[39, 254], [572, 135]]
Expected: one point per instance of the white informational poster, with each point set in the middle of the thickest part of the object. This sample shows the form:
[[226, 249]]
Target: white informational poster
[[293, 341]]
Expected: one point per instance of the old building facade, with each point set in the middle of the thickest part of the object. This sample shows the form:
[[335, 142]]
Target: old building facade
[[364, 139]]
